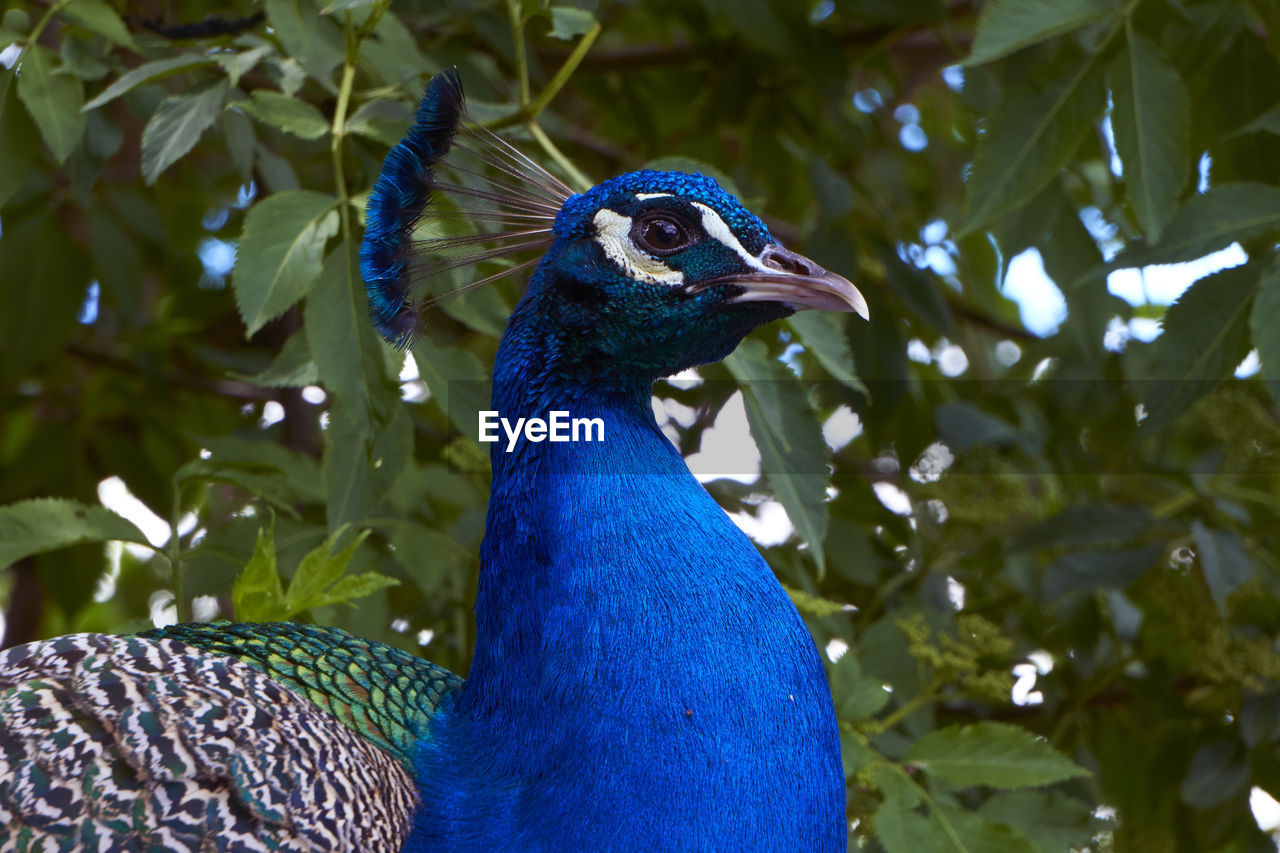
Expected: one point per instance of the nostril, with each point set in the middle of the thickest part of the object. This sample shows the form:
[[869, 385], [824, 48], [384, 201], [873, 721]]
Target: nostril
[[788, 262]]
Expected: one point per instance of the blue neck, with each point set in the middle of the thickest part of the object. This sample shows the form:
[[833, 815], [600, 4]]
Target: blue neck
[[640, 678]]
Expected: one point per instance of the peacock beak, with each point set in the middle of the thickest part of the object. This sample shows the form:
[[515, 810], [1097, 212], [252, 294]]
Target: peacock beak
[[797, 282]]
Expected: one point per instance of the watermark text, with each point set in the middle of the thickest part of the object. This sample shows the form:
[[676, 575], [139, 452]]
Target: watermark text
[[558, 426]]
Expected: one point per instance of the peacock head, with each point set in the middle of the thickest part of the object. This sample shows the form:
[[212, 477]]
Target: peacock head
[[652, 272], [639, 277]]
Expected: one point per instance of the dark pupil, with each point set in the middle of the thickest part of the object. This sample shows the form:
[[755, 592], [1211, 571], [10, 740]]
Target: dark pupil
[[663, 234]]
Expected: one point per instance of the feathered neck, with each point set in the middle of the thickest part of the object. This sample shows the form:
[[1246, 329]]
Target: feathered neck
[[635, 660]]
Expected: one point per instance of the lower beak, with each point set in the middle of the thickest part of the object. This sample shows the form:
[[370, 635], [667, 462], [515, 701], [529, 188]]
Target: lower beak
[[798, 283]]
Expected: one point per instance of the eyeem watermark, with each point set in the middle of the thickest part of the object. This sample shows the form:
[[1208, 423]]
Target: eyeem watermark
[[558, 426]]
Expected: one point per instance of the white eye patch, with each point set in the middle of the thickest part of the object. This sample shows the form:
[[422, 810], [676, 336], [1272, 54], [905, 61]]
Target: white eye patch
[[613, 233], [716, 228]]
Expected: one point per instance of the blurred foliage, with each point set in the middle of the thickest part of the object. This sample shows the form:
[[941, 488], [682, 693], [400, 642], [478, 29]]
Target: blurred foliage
[[1104, 505]]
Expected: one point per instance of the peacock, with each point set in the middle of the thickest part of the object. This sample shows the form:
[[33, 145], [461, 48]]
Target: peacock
[[640, 680]]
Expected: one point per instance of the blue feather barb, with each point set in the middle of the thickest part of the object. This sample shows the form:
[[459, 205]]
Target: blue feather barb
[[487, 182], [397, 203]]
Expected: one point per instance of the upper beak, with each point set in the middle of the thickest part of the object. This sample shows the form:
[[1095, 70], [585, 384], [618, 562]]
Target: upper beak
[[798, 283]]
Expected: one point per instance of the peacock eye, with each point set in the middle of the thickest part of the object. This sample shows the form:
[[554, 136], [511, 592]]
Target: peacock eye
[[660, 235]]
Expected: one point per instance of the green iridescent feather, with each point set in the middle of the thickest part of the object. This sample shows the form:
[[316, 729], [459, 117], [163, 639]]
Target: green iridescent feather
[[382, 693]]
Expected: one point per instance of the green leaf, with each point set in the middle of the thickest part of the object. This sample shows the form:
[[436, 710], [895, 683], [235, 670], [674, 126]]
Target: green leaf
[[281, 253], [1151, 118], [1086, 524], [381, 120], [320, 580], [269, 486], [1264, 324], [793, 454], [347, 471], [177, 126], [1205, 337], [346, 590], [338, 332], [14, 166], [1091, 569], [1268, 122], [1006, 26], [813, 605], [856, 695], [98, 16], [285, 113], [46, 524], [569, 23], [822, 333], [1053, 821], [53, 100], [292, 367], [237, 130], [943, 829], [146, 74], [431, 559], [318, 570], [257, 594], [315, 40], [964, 426], [1219, 771], [1028, 138], [1224, 561], [345, 6], [994, 754], [458, 381], [1208, 222], [692, 165], [236, 65], [300, 470]]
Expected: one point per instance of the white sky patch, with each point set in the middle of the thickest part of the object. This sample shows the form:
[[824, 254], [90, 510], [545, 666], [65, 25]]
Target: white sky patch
[[769, 526], [161, 608], [836, 649], [408, 370], [933, 463], [918, 351], [115, 496], [685, 379], [1162, 284], [1022, 692], [272, 414], [204, 608], [842, 427], [894, 499], [952, 360], [1043, 661], [1008, 353], [1039, 301], [955, 593], [613, 233], [1043, 309], [1249, 366], [314, 394], [727, 450], [1266, 811]]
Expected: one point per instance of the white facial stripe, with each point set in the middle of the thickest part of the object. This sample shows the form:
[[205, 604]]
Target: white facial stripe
[[647, 196], [613, 233], [715, 227]]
